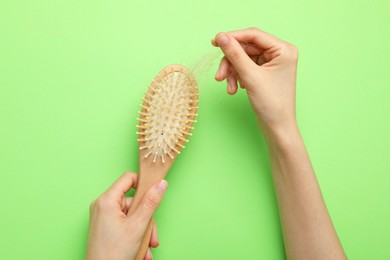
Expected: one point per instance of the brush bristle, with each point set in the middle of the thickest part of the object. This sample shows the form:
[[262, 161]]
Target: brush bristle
[[169, 109]]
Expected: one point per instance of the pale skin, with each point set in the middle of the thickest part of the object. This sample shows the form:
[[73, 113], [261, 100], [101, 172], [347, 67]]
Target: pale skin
[[265, 67], [114, 233]]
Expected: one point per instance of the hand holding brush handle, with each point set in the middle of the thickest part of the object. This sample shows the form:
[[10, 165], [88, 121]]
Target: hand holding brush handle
[[114, 231]]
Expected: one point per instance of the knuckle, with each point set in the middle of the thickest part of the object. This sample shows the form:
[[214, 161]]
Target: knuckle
[[130, 178], [128, 174], [253, 30], [92, 205], [151, 203], [293, 50], [102, 203], [234, 54]]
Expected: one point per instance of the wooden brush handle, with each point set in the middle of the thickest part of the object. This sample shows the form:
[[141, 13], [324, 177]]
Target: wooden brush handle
[[143, 186], [150, 174], [139, 195], [143, 248]]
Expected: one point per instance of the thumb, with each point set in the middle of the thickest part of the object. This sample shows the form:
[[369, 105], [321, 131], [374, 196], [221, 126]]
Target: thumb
[[149, 204], [234, 53]]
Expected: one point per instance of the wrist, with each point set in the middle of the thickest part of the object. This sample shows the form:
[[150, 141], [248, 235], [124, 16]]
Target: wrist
[[281, 133], [276, 128]]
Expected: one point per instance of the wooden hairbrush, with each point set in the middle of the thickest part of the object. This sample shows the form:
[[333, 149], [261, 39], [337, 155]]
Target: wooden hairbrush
[[168, 112]]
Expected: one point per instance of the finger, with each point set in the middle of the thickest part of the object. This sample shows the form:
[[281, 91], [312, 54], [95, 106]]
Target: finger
[[239, 82], [148, 205], [232, 84], [154, 238], [126, 203], [148, 255], [122, 185], [262, 59], [234, 53], [257, 37], [224, 68], [214, 42], [251, 49]]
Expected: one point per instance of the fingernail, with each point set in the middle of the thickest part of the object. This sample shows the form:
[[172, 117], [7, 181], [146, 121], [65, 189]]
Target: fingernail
[[229, 86], [217, 75], [222, 39], [161, 186], [230, 90]]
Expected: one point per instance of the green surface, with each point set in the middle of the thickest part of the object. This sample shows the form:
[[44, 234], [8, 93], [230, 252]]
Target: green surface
[[72, 73]]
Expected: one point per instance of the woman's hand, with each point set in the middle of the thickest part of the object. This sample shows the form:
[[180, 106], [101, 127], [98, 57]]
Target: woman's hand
[[115, 234], [266, 67]]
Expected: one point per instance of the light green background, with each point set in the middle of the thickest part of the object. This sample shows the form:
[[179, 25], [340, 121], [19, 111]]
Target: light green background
[[72, 73]]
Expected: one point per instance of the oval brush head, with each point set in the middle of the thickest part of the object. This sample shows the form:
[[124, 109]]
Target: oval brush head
[[169, 109]]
